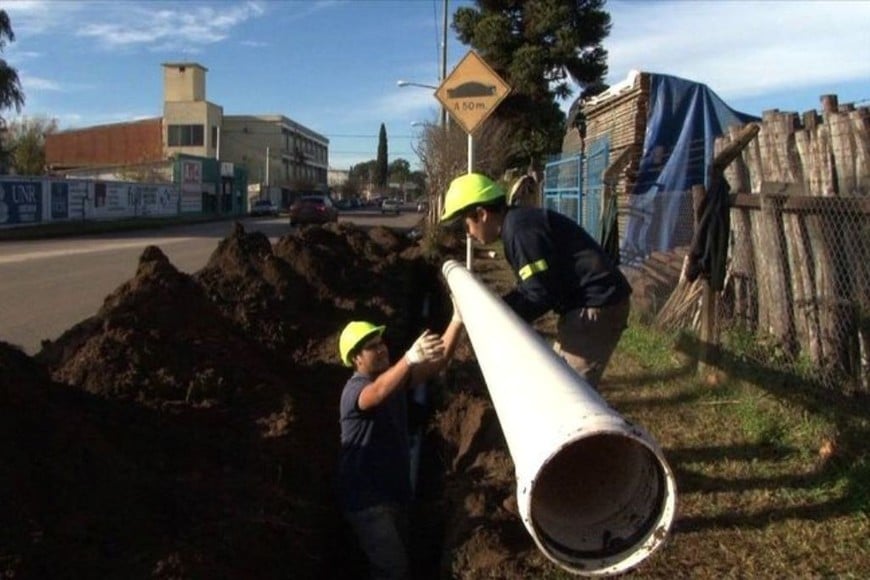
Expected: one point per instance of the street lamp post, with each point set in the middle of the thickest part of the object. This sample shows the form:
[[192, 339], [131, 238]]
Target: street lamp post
[[425, 86], [412, 84]]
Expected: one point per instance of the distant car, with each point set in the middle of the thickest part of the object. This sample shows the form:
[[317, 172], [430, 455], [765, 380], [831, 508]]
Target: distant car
[[313, 209], [391, 206], [263, 207]]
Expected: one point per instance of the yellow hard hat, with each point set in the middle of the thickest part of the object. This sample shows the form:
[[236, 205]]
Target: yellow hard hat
[[468, 190], [353, 334]]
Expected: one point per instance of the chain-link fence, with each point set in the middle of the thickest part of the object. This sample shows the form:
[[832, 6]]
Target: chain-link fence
[[796, 294]]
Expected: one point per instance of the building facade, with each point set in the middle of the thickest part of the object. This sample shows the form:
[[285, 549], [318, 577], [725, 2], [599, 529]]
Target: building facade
[[272, 150]]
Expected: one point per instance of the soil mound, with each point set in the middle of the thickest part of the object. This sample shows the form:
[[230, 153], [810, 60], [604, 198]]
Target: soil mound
[[189, 428], [159, 338], [193, 419]]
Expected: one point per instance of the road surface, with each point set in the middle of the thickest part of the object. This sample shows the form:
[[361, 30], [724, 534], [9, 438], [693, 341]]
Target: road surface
[[47, 286]]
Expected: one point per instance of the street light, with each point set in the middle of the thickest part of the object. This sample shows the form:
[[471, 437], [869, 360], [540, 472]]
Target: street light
[[413, 84], [425, 86]]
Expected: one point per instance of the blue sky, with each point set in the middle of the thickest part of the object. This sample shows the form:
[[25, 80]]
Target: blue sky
[[333, 65]]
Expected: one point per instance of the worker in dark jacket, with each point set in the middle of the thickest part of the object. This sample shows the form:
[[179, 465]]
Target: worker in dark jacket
[[374, 476], [559, 267]]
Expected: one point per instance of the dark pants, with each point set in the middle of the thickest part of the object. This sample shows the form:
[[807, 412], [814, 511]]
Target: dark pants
[[382, 531]]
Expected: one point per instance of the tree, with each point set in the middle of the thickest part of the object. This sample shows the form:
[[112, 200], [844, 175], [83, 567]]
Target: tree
[[443, 155], [27, 144], [537, 46], [11, 94], [363, 172], [381, 170], [399, 170]]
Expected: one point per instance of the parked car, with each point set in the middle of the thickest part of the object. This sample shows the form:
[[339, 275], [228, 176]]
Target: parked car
[[422, 206], [391, 206], [313, 209], [262, 207]]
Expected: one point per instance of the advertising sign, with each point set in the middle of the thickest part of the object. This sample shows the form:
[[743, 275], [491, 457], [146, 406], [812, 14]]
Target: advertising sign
[[78, 196], [154, 199], [20, 202], [59, 201], [191, 186]]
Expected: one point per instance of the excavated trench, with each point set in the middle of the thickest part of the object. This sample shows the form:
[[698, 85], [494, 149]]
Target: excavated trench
[[189, 429]]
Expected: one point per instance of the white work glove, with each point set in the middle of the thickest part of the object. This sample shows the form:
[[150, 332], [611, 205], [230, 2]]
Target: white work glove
[[428, 347], [457, 316]]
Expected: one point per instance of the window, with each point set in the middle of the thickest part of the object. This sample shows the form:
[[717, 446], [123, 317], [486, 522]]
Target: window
[[186, 135]]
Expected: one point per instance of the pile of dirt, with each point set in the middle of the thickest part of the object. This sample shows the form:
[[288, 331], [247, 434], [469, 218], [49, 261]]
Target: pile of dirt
[[189, 428]]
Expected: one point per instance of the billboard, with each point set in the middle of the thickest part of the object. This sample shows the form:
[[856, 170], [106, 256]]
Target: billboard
[[20, 202]]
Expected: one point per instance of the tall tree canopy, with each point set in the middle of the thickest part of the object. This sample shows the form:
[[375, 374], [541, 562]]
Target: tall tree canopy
[[11, 94], [537, 46], [26, 143], [382, 168]]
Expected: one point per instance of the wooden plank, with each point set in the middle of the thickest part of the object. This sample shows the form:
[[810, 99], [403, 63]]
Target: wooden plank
[[843, 150], [860, 127]]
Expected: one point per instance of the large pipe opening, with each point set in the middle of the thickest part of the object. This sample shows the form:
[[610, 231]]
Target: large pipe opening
[[598, 500]]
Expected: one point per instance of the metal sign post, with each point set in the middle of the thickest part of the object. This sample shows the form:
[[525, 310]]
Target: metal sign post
[[470, 94]]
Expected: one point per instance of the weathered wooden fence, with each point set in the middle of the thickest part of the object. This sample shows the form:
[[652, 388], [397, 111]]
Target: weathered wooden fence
[[800, 244]]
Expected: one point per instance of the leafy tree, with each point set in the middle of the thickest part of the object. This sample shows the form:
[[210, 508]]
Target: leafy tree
[[27, 144], [537, 46], [399, 170], [11, 94], [363, 172], [381, 172]]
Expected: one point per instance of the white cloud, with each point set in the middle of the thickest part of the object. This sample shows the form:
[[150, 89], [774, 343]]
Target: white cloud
[[134, 24], [35, 17], [407, 102], [190, 26], [742, 48], [29, 83]]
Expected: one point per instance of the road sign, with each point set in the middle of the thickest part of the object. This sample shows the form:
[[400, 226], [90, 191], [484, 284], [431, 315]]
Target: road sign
[[472, 91]]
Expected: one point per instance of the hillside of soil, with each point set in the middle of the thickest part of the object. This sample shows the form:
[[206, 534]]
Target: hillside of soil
[[189, 428]]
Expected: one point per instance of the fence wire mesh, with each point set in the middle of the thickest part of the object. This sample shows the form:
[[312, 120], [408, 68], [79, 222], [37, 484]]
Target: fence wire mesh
[[797, 292], [797, 285]]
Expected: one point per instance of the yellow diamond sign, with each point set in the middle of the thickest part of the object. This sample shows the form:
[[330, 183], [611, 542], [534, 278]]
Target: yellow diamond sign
[[472, 91]]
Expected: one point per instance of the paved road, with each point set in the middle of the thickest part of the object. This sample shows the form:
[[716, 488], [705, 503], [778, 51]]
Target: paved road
[[46, 286]]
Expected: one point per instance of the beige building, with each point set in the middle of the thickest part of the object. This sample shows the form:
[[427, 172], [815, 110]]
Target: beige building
[[275, 150]]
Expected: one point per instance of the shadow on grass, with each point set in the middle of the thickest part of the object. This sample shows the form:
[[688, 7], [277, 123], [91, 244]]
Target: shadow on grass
[[848, 470]]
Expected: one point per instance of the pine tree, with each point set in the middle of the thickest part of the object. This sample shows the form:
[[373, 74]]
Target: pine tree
[[11, 94], [537, 46], [382, 167]]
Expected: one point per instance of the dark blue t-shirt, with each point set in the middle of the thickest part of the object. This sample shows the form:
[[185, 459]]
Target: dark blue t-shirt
[[559, 266], [374, 467]]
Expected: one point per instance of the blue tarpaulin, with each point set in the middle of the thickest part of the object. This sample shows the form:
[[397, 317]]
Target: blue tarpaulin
[[684, 120]]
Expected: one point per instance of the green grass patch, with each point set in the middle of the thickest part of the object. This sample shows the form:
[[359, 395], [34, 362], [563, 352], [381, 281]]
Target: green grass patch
[[767, 463]]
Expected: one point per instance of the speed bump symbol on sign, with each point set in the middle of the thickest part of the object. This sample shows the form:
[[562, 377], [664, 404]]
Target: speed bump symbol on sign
[[472, 91]]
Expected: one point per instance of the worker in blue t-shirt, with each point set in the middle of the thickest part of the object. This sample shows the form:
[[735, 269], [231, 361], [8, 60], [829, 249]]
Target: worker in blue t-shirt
[[374, 478], [559, 268]]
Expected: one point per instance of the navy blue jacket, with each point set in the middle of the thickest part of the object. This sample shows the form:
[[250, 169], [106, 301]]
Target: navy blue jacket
[[558, 265]]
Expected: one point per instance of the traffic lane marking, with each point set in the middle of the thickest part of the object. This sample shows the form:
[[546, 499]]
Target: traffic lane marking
[[106, 247]]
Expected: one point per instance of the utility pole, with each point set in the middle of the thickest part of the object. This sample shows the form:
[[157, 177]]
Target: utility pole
[[443, 73]]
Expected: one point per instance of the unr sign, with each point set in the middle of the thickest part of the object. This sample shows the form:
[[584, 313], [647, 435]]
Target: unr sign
[[472, 91]]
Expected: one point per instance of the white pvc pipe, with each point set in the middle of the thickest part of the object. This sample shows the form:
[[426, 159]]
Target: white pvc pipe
[[594, 490]]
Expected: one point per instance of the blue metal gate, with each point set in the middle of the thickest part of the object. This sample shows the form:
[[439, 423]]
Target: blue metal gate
[[564, 191], [597, 153], [563, 180]]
